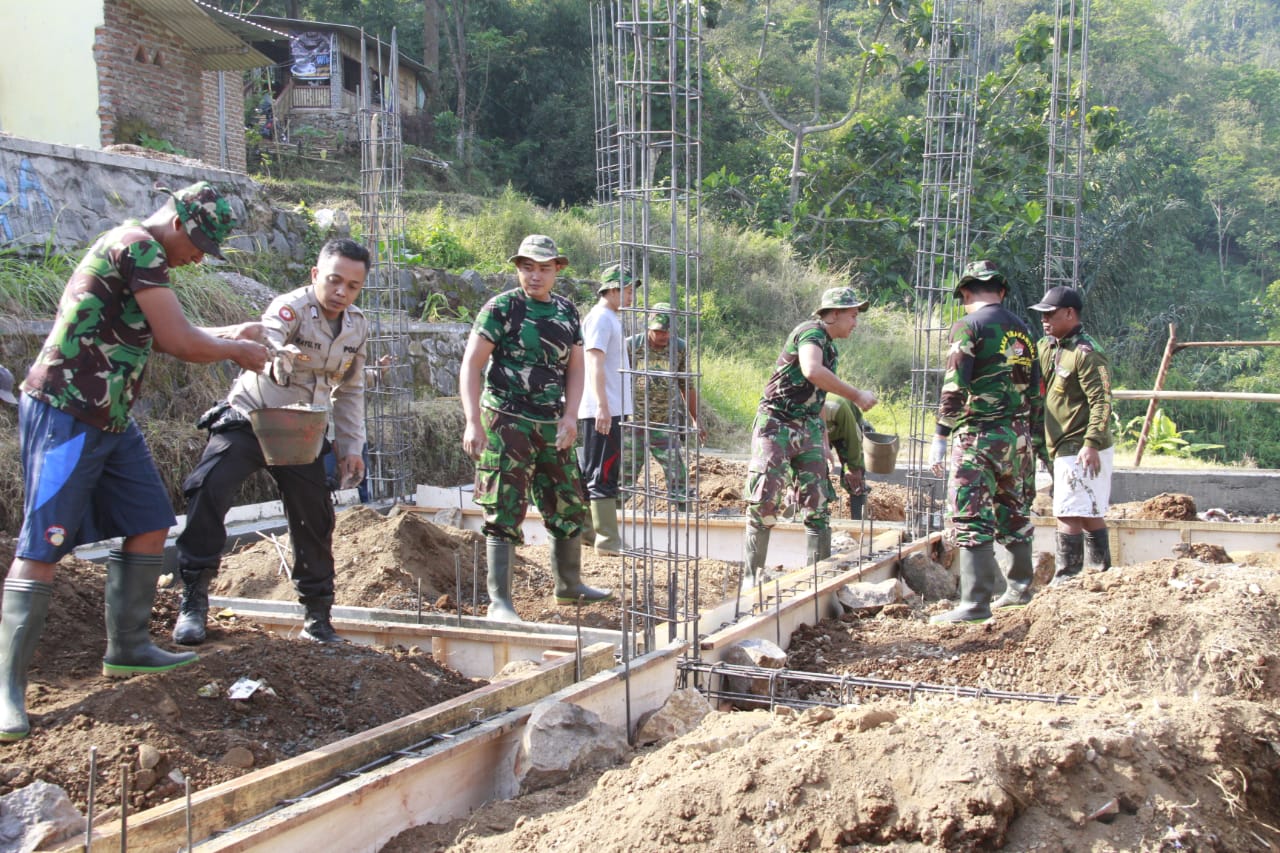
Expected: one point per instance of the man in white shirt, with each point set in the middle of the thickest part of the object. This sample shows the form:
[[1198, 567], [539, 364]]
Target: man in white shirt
[[606, 400]]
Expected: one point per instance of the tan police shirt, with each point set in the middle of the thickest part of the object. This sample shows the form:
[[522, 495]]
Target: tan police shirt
[[329, 371]]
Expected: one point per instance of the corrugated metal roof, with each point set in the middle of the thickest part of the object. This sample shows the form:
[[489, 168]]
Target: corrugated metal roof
[[211, 33], [352, 32]]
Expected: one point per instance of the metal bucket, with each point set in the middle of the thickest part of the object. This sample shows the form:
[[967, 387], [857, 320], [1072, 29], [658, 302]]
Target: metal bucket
[[879, 452], [292, 435]]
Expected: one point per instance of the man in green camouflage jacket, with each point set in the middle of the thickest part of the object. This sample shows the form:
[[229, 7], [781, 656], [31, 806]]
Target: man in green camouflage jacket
[[993, 413], [1077, 424], [787, 435], [521, 383], [88, 473], [663, 418]]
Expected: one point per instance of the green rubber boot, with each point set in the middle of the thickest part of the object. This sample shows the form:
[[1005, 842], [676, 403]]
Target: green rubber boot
[[498, 553], [817, 545], [756, 549], [1017, 591], [604, 519], [566, 565], [1070, 559], [129, 595], [1097, 549], [26, 604], [978, 570]]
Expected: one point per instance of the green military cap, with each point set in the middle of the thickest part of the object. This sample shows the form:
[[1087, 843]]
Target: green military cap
[[540, 248], [205, 215], [616, 276], [842, 297], [980, 271], [660, 317]]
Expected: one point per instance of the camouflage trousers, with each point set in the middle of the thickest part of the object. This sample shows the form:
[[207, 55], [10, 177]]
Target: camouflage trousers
[[519, 462], [666, 449], [993, 483], [787, 454]]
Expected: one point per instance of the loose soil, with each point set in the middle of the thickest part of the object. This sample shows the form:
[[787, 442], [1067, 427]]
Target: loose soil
[[310, 695]]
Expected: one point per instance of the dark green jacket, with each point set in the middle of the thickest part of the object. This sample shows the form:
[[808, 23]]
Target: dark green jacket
[[1077, 399]]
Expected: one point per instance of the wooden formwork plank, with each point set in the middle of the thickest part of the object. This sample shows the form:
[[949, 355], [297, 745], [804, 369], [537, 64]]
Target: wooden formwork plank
[[447, 782], [163, 829]]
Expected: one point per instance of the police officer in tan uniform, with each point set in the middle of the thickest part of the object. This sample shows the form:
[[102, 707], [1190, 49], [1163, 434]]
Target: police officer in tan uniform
[[319, 338]]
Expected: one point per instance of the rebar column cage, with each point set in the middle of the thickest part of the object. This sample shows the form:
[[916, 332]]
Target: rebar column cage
[[388, 372], [648, 60], [943, 240], [1064, 191]]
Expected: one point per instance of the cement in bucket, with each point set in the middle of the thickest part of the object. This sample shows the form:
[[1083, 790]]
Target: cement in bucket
[[879, 452], [292, 435]]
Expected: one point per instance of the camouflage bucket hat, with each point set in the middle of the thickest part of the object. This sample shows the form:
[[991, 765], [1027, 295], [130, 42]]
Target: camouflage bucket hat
[[660, 317], [616, 276], [980, 271], [540, 248], [205, 214], [842, 297]]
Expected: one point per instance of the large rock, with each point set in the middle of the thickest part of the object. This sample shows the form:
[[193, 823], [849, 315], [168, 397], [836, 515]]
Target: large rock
[[867, 598], [560, 741], [679, 715], [36, 816], [931, 580], [754, 653]]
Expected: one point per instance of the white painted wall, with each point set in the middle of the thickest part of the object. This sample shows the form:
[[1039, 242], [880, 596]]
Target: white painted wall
[[48, 78]]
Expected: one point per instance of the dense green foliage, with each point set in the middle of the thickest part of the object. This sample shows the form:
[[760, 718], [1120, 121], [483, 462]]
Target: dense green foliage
[[813, 134]]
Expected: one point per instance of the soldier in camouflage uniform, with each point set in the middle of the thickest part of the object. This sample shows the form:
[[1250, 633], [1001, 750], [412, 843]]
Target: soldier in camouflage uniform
[[521, 423], [88, 472], [660, 351], [1077, 424], [787, 435], [992, 410]]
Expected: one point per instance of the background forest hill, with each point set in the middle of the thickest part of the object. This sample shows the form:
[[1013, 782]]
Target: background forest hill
[[1182, 184]]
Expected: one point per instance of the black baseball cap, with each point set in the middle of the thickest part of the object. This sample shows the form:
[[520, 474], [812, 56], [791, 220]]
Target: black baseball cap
[[1059, 297]]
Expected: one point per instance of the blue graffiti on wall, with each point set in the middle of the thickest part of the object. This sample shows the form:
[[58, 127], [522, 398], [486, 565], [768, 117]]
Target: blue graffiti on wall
[[31, 196]]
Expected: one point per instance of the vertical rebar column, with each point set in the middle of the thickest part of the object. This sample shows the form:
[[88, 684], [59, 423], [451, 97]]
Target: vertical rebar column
[[388, 375], [608, 167], [654, 175], [1064, 192], [943, 242]]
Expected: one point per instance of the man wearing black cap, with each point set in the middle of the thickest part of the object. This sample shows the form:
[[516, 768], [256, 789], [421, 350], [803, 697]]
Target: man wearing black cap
[[88, 474], [992, 412], [6, 387], [1077, 423]]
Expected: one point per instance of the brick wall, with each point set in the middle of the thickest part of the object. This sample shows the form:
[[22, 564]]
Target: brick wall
[[233, 104], [147, 72]]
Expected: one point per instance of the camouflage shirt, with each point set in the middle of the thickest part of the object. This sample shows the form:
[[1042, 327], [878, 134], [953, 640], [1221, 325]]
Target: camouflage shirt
[[532, 341], [92, 363], [992, 375], [654, 392], [1077, 378], [789, 396]]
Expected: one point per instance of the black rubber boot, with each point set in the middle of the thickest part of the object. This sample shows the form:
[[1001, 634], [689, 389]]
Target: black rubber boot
[[1070, 558], [756, 550], [857, 503], [189, 630], [26, 604], [566, 565], [817, 545], [498, 553], [1017, 591], [978, 568], [316, 624], [129, 595], [1097, 549]]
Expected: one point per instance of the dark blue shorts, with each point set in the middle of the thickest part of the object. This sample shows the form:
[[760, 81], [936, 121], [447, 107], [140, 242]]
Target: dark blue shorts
[[83, 484]]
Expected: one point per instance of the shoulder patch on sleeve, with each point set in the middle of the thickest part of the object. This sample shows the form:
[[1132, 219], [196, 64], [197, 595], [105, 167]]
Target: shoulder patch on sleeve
[[286, 313]]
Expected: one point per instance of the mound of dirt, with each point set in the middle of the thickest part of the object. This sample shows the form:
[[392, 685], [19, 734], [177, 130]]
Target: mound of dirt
[[934, 774], [1173, 743], [1168, 506], [383, 561], [310, 695]]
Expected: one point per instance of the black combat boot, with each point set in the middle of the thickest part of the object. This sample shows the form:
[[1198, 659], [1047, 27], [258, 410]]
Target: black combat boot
[[315, 624], [189, 630]]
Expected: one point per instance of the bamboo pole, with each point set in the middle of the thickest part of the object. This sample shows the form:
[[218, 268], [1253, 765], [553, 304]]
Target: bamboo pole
[[1244, 396], [1151, 407]]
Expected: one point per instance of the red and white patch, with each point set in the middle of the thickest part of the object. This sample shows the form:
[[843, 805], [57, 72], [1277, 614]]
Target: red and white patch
[[286, 314], [55, 535]]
